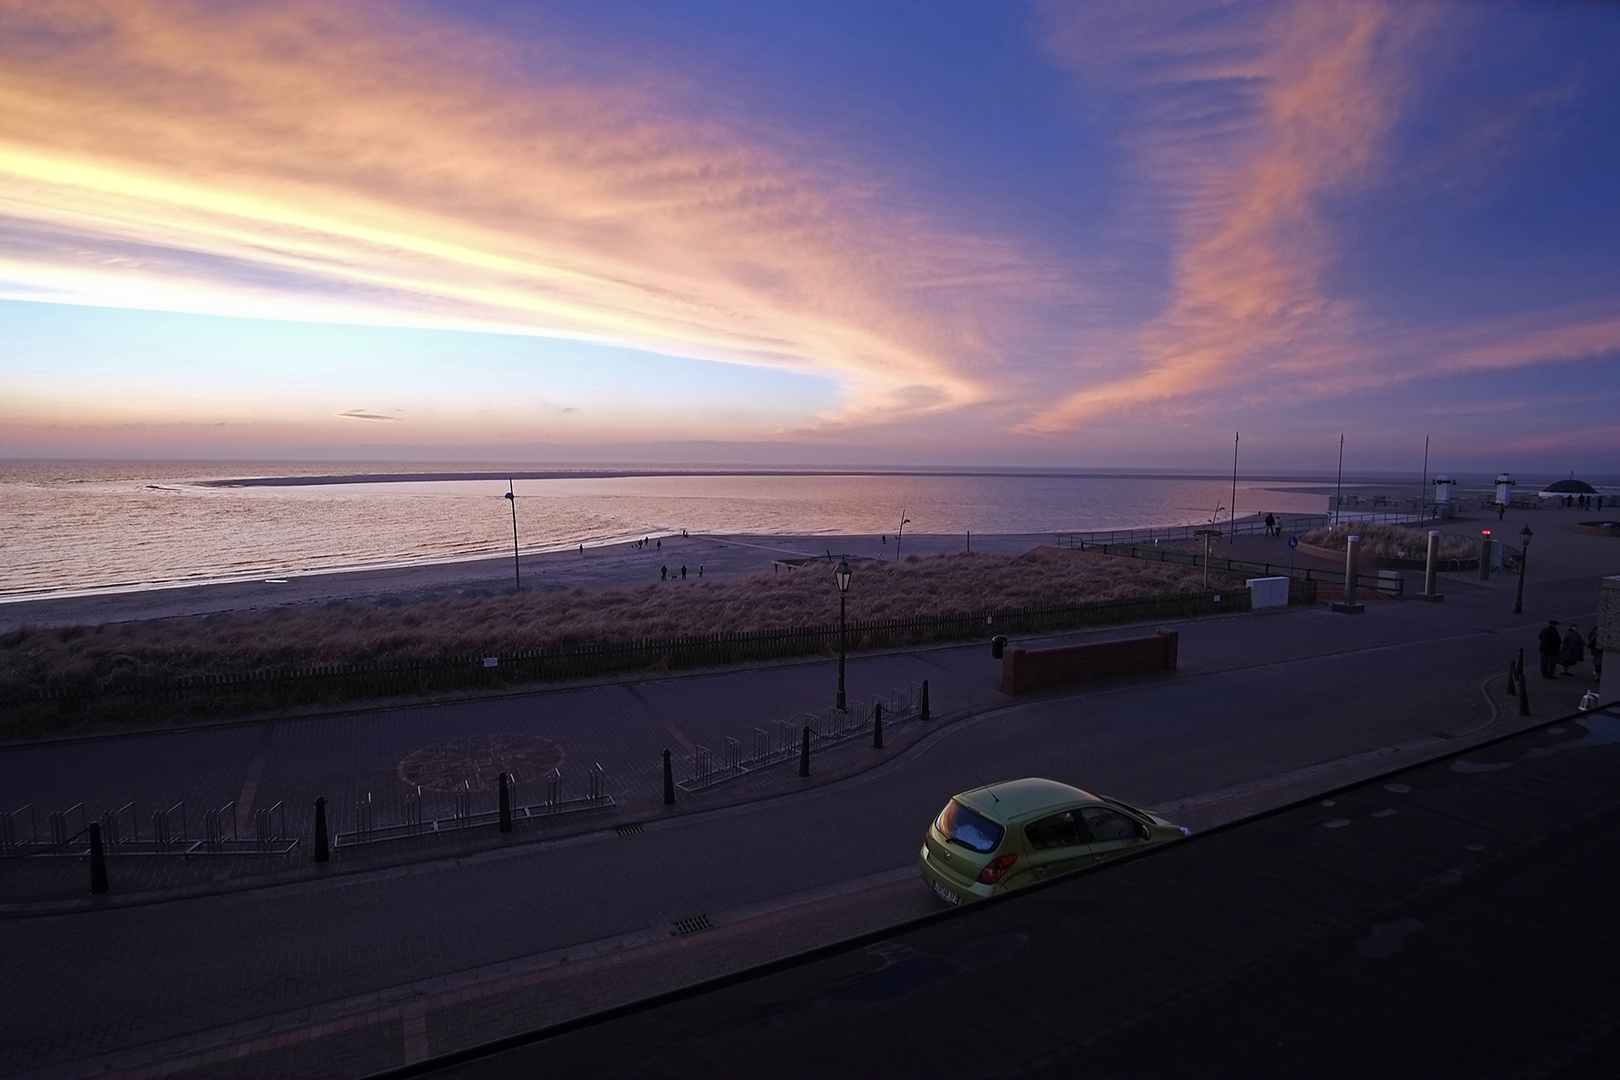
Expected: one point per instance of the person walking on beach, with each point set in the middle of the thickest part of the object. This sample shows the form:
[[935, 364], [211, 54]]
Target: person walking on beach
[[1271, 524], [700, 569], [683, 571], [663, 573], [1573, 650], [1550, 643]]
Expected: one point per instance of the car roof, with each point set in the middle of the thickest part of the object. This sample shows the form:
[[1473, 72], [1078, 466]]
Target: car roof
[[1010, 799]]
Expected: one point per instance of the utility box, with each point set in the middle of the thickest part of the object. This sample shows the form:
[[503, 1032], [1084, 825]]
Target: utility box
[[1267, 592]]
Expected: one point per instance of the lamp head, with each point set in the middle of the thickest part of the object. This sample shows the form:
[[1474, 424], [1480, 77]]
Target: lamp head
[[841, 575], [1525, 534]]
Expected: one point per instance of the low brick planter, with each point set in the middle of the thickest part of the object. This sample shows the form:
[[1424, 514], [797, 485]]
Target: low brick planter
[[1030, 669]]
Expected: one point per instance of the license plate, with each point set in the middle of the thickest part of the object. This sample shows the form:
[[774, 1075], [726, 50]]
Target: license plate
[[945, 894]]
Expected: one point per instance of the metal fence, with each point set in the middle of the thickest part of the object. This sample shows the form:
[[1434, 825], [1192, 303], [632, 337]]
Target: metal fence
[[1391, 582], [781, 740], [275, 687], [1291, 523], [167, 832], [554, 802]]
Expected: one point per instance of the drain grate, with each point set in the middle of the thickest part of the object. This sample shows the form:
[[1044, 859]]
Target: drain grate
[[690, 926], [633, 829]]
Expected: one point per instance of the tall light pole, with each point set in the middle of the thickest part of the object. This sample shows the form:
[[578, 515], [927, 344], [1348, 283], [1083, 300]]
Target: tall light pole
[[1525, 536], [904, 521], [841, 575], [1232, 517], [511, 497], [1338, 490]]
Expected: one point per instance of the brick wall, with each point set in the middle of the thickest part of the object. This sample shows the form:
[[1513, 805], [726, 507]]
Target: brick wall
[[1028, 669]]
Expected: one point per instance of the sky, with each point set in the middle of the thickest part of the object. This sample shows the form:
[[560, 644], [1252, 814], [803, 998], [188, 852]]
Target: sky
[[936, 233]]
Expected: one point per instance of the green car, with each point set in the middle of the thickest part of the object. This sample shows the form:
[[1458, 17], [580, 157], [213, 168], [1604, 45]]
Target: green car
[[1004, 836]]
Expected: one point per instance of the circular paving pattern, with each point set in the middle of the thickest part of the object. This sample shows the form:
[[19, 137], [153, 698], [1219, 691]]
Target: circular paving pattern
[[478, 761]]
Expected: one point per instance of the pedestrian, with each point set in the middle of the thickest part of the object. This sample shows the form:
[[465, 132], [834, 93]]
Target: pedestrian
[[700, 569], [683, 571], [1550, 643], [1501, 511], [582, 549], [1573, 650], [660, 545], [1271, 524], [885, 539], [663, 573], [1597, 653]]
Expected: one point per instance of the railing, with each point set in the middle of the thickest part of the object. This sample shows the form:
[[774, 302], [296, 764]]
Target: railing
[[553, 804], [280, 686], [1387, 581], [781, 741], [121, 832], [1288, 523]]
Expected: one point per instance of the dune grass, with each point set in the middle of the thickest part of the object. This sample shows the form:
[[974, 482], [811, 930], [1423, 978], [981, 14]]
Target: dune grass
[[1392, 541], [343, 632]]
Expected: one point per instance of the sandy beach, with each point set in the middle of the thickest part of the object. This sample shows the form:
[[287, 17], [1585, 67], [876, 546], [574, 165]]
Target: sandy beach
[[618, 566]]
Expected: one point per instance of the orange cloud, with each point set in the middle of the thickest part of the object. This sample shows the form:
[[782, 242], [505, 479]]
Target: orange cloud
[[1244, 128], [357, 164]]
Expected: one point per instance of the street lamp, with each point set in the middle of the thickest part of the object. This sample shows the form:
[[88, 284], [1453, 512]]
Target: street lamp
[[1525, 536], [511, 497], [841, 575]]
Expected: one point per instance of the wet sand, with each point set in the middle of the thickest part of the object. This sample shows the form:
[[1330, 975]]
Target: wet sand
[[617, 566]]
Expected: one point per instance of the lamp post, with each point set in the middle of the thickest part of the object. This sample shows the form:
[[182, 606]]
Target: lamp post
[[904, 521], [1525, 535], [511, 497], [841, 575]]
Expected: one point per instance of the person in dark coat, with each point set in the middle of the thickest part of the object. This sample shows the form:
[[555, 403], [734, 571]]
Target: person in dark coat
[[1551, 644], [1271, 525], [1573, 650]]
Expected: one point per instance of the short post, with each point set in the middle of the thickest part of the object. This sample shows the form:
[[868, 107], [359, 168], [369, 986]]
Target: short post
[[1432, 569], [506, 803], [98, 860], [323, 853], [998, 646], [922, 713], [1524, 567], [804, 753], [1485, 555], [1524, 695], [877, 726], [1521, 663], [669, 781], [1512, 687], [1348, 606]]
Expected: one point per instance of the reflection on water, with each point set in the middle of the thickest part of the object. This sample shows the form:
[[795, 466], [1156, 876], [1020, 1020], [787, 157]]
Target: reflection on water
[[71, 526]]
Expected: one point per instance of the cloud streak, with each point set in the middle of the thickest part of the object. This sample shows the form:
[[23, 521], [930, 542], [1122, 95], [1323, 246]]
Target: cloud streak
[[362, 165], [1244, 127]]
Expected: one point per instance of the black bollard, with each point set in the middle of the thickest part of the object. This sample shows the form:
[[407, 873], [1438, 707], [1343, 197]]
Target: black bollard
[[669, 781], [98, 861], [877, 726], [923, 713], [998, 645], [506, 803], [804, 753], [1524, 695], [323, 853], [1512, 687]]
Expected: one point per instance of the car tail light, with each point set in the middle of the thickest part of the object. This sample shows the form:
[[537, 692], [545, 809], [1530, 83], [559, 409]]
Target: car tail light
[[995, 868]]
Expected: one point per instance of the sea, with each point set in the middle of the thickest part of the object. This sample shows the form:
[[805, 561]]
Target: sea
[[78, 527]]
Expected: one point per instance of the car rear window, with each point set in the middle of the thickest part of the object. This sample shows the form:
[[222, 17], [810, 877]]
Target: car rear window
[[969, 828]]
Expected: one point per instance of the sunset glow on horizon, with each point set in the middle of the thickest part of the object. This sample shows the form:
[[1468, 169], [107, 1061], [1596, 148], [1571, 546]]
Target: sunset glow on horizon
[[934, 233]]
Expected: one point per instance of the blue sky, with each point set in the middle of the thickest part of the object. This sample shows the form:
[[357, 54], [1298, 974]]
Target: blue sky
[[934, 233]]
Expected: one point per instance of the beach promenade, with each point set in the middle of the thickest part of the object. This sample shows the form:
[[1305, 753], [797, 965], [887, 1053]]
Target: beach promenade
[[392, 954]]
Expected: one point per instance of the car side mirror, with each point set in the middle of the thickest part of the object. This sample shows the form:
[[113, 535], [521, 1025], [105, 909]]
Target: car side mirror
[[1144, 832]]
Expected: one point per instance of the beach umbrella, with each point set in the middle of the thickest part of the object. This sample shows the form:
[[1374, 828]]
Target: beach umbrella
[[1559, 488]]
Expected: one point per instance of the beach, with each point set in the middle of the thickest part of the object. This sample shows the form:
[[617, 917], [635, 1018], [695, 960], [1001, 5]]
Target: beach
[[606, 568]]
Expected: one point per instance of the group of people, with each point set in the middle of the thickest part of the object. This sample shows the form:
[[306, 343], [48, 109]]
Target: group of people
[[1567, 649], [1582, 502], [663, 572], [1272, 528]]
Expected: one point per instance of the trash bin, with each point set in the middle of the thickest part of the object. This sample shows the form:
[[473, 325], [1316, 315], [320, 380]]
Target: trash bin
[[998, 645]]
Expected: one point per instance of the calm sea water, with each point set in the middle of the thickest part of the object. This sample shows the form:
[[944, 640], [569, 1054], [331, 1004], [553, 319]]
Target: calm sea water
[[77, 526]]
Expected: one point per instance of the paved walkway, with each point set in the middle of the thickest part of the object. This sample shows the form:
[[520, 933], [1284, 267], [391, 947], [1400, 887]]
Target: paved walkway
[[387, 957]]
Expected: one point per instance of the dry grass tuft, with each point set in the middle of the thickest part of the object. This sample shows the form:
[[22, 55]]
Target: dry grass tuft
[[1390, 541], [919, 587]]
